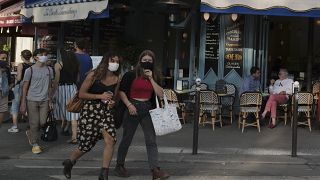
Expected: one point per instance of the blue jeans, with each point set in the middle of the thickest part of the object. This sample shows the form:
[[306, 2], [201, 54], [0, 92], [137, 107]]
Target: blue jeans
[[15, 107]]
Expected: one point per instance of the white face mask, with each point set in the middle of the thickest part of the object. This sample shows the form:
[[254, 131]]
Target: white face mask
[[113, 67], [43, 59]]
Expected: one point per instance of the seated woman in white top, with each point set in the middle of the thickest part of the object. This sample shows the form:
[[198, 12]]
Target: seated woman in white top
[[279, 94]]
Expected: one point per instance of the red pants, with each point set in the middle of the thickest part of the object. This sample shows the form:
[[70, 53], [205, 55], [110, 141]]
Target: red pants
[[273, 101]]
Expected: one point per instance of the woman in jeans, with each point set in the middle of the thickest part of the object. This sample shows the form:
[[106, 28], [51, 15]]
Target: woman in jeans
[[137, 89], [25, 56], [96, 121]]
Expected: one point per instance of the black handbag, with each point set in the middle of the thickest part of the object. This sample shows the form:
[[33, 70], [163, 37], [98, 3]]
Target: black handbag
[[50, 132]]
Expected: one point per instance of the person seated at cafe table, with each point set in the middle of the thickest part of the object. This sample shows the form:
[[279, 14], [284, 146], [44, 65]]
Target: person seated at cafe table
[[279, 94], [251, 83]]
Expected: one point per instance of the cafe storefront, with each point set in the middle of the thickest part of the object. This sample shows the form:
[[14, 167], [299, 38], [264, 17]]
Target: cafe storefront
[[235, 35], [65, 21]]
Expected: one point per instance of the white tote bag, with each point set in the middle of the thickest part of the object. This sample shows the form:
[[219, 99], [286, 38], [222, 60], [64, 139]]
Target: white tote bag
[[165, 120]]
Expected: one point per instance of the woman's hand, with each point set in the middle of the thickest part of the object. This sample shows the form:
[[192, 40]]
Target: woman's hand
[[105, 96], [132, 110], [148, 73]]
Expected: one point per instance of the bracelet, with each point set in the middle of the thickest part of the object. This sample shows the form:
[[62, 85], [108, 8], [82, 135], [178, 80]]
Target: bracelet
[[129, 105]]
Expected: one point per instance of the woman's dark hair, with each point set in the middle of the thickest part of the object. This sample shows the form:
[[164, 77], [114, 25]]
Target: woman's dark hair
[[101, 71], [70, 64], [26, 54], [139, 69], [39, 51]]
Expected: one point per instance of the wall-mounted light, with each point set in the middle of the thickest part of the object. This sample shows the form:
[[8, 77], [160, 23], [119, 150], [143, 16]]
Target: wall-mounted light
[[234, 17], [206, 16], [17, 28], [1, 30], [8, 30], [185, 35], [318, 22]]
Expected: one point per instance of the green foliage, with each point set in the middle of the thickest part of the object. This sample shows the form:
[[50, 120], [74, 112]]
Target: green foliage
[[6, 48]]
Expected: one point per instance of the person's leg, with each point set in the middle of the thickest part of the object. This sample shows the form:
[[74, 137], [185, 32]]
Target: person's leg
[[130, 125], [69, 163], [107, 155], [15, 105], [151, 145], [268, 105], [150, 140], [34, 120], [74, 126]]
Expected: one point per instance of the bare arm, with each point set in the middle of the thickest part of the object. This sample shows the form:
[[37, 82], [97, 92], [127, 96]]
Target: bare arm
[[57, 69], [157, 89], [19, 72], [25, 86]]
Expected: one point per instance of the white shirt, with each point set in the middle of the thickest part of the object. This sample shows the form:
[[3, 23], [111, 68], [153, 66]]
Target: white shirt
[[281, 85]]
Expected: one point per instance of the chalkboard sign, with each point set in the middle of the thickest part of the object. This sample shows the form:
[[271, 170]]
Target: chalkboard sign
[[78, 29], [212, 44], [233, 57]]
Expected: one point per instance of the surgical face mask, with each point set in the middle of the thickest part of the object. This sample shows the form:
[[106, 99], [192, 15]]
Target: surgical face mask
[[113, 67], [147, 65], [43, 59]]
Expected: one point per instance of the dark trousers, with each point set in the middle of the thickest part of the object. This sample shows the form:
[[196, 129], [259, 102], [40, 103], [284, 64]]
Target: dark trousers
[[130, 124]]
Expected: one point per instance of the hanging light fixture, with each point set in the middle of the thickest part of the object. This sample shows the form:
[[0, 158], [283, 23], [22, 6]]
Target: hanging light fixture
[[17, 28], [234, 17], [8, 30], [1, 30], [206, 16]]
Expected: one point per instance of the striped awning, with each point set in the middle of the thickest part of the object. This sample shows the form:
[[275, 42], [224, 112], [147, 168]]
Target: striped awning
[[10, 15], [64, 10], [304, 8]]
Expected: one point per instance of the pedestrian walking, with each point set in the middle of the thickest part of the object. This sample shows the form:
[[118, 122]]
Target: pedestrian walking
[[15, 106], [36, 96], [66, 78], [137, 91], [84, 59], [96, 121], [4, 84]]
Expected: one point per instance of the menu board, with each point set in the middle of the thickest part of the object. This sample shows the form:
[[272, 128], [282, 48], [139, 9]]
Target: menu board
[[234, 34], [111, 31], [78, 29], [212, 44]]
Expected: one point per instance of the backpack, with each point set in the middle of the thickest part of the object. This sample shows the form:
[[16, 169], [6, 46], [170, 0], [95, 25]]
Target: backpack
[[50, 132]]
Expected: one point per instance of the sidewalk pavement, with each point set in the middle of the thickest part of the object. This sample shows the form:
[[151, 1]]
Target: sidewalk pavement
[[224, 145]]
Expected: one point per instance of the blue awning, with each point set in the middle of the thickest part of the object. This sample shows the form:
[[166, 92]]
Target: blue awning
[[64, 10], [305, 8]]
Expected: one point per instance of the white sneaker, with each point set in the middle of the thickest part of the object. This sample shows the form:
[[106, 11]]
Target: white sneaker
[[13, 129]]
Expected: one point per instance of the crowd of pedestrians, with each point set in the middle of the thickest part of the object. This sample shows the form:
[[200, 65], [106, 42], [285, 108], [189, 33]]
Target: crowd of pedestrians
[[39, 89]]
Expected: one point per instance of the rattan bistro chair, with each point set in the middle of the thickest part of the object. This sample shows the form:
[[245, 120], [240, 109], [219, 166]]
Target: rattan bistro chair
[[305, 103], [173, 99], [227, 101], [316, 95], [209, 103], [250, 102]]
